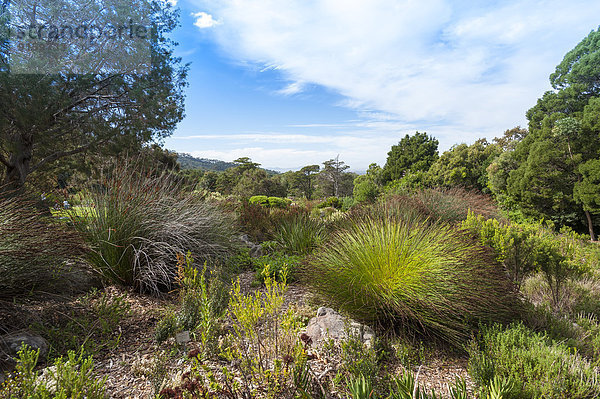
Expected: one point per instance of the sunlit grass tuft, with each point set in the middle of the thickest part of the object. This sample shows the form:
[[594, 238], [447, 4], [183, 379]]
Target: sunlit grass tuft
[[427, 278]]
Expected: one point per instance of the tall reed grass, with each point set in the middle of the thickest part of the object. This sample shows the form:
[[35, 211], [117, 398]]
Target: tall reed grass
[[34, 250], [140, 221]]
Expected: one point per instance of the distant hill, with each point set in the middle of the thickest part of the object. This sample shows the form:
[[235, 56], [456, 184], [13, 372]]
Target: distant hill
[[189, 162]]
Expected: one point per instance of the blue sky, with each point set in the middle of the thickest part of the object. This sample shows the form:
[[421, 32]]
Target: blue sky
[[296, 82]]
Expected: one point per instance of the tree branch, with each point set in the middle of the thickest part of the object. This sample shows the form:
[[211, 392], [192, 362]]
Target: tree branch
[[62, 154]]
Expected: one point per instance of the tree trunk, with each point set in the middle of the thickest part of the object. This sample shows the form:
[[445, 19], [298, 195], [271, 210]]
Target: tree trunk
[[590, 225], [19, 166]]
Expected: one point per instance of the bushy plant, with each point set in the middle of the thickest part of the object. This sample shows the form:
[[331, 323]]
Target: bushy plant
[[72, 377], [35, 252], [264, 344], [203, 301], [524, 248], [331, 202], [90, 326], [140, 221], [278, 202], [254, 220], [259, 199], [276, 266], [514, 245], [537, 366], [427, 278], [300, 234]]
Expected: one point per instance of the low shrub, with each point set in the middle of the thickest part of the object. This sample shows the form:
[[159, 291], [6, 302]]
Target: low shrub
[[276, 266], [264, 344], [35, 252], [537, 366], [203, 301], [427, 278], [524, 248], [254, 220], [259, 199], [278, 202], [140, 221], [331, 202], [72, 377], [90, 324], [272, 202]]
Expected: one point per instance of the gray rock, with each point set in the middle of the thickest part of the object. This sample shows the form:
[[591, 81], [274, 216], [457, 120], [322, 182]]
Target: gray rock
[[12, 343], [246, 240], [256, 251], [330, 324]]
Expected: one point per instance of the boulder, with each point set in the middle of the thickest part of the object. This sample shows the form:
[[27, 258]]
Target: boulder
[[328, 324], [12, 343]]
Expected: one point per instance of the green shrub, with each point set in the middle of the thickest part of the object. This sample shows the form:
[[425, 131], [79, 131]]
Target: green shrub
[[331, 202], [426, 278], [140, 222], [514, 245], [259, 199], [277, 265], [34, 251], [272, 202], [202, 303], [278, 202], [537, 366], [263, 345], [300, 234], [70, 378], [90, 325], [527, 247]]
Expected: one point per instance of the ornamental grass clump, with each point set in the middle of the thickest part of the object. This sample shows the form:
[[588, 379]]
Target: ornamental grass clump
[[421, 277], [300, 234], [36, 252], [140, 221]]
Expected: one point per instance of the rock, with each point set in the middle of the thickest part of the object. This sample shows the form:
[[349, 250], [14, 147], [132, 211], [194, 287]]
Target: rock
[[11, 343], [246, 240], [256, 251], [330, 324]]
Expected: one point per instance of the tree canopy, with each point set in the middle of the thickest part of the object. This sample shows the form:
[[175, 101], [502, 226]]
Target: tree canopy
[[549, 172], [110, 106], [412, 154]]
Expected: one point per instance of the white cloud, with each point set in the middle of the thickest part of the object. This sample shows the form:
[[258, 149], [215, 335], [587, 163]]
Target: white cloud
[[453, 68], [204, 20], [292, 88]]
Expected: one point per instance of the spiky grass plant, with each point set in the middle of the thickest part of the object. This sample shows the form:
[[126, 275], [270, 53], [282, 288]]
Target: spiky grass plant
[[140, 221], [34, 251], [300, 234], [425, 278]]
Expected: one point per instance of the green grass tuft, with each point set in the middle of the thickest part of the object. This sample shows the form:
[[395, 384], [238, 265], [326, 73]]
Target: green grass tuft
[[427, 278]]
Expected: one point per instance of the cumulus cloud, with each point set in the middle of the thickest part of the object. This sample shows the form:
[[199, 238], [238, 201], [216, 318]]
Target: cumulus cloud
[[204, 20], [466, 68]]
